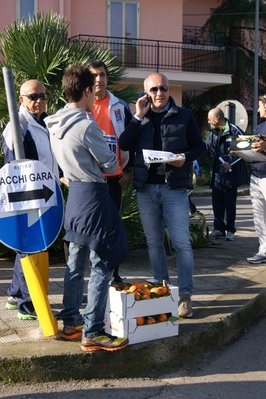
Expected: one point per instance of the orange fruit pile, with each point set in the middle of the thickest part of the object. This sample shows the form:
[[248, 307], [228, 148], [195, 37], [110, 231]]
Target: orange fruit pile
[[152, 319], [143, 290]]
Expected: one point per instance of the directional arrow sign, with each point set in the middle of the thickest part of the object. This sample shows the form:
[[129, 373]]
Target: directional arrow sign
[[43, 193], [22, 186], [31, 206]]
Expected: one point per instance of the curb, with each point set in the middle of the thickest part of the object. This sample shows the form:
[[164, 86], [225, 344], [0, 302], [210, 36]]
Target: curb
[[136, 360]]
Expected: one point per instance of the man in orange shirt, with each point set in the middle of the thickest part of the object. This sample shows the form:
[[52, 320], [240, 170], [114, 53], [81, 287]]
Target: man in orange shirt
[[112, 115]]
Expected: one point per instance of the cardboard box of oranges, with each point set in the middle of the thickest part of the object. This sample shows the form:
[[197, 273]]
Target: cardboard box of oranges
[[135, 333], [142, 299], [142, 311]]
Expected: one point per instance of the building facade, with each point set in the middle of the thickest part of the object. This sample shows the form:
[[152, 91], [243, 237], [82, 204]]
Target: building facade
[[145, 35]]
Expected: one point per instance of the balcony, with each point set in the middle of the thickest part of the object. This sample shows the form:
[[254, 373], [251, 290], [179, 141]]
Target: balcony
[[162, 55], [195, 35]]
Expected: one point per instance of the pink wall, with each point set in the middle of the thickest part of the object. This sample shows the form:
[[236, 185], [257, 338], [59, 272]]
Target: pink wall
[[88, 17], [161, 20], [197, 12], [7, 14], [158, 20]]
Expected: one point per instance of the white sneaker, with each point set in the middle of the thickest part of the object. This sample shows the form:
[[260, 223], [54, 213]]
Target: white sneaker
[[256, 259], [216, 234], [229, 236], [185, 306]]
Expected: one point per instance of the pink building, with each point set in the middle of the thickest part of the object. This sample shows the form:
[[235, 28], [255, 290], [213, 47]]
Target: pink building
[[145, 35]]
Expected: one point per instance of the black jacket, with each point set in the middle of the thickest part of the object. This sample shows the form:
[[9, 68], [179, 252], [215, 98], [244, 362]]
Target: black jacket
[[218, 146], [179, 134]]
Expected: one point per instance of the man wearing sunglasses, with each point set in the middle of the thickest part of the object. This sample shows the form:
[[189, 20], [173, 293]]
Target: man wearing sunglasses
[[37, 146], [159, 124]]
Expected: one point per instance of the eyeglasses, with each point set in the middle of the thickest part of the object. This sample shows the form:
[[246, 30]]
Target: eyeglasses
[[35, 97], [163, 88]]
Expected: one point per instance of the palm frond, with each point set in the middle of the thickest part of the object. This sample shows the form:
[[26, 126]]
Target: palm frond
[[130, 217], [40, 49]]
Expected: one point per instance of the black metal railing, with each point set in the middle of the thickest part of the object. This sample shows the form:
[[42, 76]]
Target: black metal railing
[[166, 55], [196, 35]]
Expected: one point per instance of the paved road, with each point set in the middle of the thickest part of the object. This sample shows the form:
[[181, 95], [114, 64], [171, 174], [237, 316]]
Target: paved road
[[236, 371]]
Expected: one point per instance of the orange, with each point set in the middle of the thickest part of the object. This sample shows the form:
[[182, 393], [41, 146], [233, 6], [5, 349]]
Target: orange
[[133, 288], [145, 296], [156, 290], [140, 321], [137, 296], [145, 291], [151, 320], [164, 290], [137, 284], [162, 317]]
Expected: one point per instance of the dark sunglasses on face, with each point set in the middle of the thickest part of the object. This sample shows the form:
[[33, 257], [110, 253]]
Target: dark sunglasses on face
[[35, 97], [163, 88]]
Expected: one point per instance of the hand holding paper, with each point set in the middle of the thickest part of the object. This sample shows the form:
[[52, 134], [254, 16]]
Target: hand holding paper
[[151, 156]]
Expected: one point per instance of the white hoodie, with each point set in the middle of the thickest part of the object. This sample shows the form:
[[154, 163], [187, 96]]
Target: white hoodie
[[79, 146]]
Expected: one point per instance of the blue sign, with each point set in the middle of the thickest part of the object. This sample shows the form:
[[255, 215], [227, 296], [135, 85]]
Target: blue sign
[[31, 206]]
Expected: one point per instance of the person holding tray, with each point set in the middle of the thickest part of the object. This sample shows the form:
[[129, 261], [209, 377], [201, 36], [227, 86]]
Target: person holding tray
[[258, 186]]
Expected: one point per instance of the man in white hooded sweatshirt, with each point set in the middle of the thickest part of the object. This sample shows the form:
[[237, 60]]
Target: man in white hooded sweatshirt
[[92, 222]]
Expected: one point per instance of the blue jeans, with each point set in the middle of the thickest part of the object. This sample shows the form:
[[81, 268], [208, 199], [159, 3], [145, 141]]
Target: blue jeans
[[159, 207], [93, 315], [19, 288]]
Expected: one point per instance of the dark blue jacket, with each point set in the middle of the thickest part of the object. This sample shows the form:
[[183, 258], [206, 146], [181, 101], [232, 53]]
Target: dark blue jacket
[[179, 134], [218, 146], [258, 169], [92, 220]]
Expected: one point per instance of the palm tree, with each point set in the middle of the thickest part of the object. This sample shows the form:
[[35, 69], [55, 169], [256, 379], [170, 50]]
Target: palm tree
[[40, 49]]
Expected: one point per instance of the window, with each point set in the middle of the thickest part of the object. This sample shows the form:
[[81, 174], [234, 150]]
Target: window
[[26, 9], [123, 23]]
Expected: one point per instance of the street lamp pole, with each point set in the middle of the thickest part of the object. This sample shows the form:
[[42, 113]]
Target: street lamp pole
[[256, 66]]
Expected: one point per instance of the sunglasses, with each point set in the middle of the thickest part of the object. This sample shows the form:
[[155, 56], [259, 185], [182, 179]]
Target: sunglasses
[[163, 88], [35, 97]]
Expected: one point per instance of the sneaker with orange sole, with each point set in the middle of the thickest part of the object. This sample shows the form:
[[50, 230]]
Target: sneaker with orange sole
[[103, 342], [72, 332]]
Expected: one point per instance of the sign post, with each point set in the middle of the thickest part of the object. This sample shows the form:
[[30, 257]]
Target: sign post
[[13, 112], [31, 217]]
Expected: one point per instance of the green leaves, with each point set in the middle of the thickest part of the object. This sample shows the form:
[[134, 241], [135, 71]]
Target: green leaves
[[41, 49], [130, 217]]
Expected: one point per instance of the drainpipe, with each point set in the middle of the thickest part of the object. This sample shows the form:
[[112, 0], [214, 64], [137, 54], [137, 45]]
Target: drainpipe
[[230, 112]]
